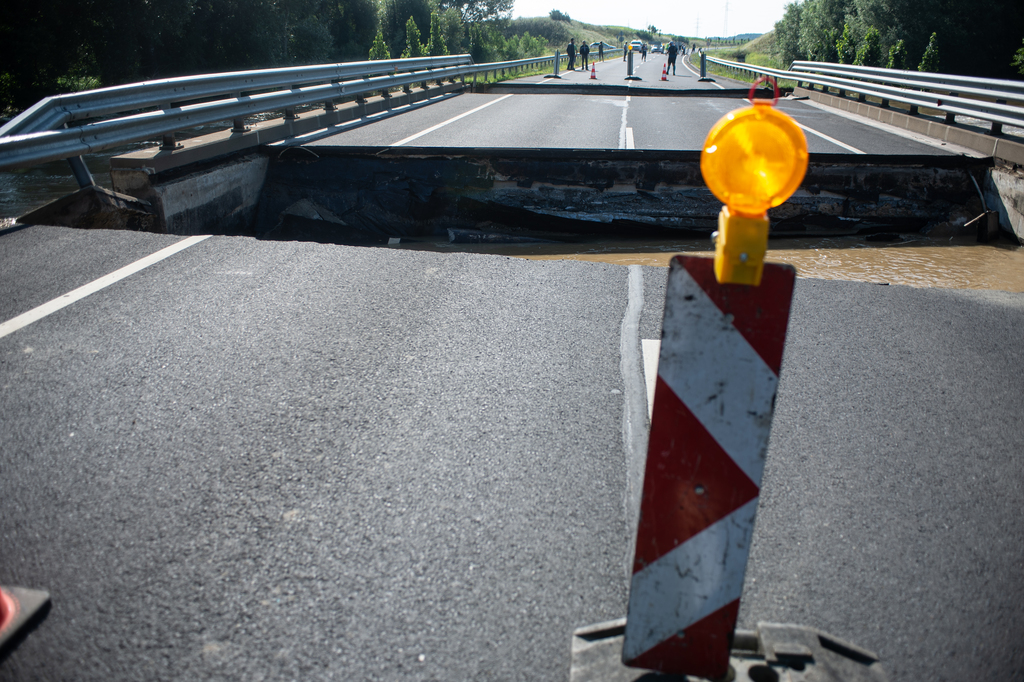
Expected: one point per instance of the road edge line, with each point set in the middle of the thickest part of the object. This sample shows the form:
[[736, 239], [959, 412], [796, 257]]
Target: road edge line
[[39, 312]]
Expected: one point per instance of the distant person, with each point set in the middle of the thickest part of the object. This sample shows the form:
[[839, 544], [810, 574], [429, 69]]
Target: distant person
[[625, 51], [570, 51], [673, 50], [584, 53], [643, 52], [600, 50]]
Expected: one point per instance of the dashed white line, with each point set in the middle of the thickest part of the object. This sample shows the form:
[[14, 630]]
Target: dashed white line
[[629, 139], [81, 292], [451, 120]]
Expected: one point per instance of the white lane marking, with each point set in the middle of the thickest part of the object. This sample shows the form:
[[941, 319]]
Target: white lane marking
[[622, 126], [895, 130], [833, 140], [651, 350], [634, 426], [629, 139], [451, 120], [81, 292]]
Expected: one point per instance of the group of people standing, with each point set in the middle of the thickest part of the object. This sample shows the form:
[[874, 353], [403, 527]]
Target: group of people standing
[[584, 53], [672, 50]]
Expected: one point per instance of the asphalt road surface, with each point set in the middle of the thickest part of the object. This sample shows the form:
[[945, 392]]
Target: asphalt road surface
[[601, 121], [571, 120], [267, 461]]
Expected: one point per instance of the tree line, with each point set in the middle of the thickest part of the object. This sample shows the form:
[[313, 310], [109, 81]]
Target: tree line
[[68, 45], [930, 35]]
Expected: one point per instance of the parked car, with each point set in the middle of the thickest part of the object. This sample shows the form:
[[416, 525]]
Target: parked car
[[657, 47]]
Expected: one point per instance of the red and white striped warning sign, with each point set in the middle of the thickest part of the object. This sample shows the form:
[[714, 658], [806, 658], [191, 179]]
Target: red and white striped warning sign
[[721, 352]]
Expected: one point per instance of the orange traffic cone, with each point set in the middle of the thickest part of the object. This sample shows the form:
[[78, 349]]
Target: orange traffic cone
[[664, 72], [593, 72]]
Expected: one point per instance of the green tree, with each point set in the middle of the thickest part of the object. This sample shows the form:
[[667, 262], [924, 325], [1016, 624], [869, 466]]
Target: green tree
[[930, 59], [845, 46], [818, 22], [379, 49], [870, 51], [394, 16], [787, 35], [1018, 60], [413, 46], [453, 31], [897, 56], [354, 25], [559, 16], [478, 10], [435, 43], [310, 42]]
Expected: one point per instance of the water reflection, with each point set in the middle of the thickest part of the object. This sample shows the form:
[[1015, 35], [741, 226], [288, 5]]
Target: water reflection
[[958, 263]]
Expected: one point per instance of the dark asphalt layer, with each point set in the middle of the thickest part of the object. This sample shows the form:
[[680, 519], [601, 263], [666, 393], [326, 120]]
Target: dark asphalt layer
[[274, 461]]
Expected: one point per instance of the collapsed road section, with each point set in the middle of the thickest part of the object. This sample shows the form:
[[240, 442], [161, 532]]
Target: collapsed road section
[[368, 196]]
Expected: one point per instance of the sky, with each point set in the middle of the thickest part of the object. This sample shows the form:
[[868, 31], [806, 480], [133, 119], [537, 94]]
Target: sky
[[678, 17]]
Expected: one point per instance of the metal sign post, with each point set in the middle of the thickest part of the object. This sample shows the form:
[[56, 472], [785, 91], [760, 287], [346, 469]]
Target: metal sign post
[[629, 67]]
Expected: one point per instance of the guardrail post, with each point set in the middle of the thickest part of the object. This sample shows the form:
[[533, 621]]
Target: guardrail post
[[169, 143], [951, 117], [238, 124], [885, 104], [81, 172], [997, 128], [913, 110]]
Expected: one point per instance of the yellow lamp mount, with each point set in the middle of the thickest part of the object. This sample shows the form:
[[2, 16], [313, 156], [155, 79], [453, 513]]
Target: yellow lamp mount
[[753, 159]]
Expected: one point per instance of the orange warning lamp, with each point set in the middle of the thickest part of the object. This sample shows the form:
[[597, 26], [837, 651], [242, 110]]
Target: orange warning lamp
[[753, 159]]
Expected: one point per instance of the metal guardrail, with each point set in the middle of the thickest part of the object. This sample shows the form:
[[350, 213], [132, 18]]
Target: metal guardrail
[[942, 92], [42, 132]]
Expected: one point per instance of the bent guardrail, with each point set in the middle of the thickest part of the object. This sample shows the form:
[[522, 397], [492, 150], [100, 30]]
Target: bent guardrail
[[155, 109], [953, 95]]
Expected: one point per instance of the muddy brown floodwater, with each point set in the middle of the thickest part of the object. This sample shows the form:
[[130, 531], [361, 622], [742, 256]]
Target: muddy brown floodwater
[[958, 263]]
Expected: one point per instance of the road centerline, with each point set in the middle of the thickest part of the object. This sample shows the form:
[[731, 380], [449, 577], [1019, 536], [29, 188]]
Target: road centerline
[[451, 120]]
